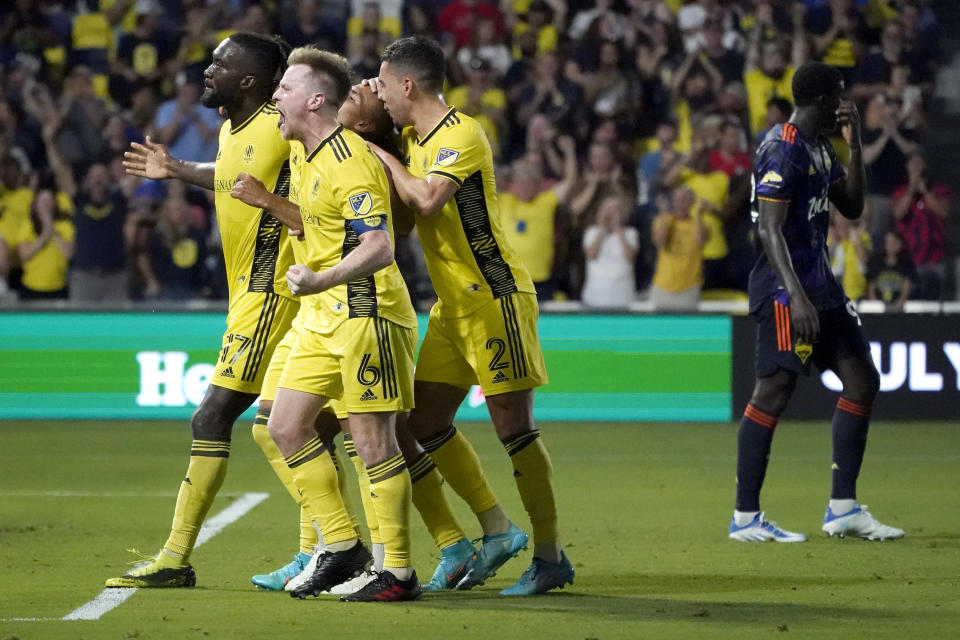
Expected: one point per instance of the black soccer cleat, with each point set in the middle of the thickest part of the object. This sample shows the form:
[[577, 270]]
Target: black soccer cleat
[[333, 568], [386, 587]]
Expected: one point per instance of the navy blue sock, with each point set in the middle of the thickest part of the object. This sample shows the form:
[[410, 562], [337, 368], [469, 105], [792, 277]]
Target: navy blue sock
[[753, 453], [851, 421]]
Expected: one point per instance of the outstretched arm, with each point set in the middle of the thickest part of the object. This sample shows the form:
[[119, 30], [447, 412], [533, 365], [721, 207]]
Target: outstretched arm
[[153, 160]]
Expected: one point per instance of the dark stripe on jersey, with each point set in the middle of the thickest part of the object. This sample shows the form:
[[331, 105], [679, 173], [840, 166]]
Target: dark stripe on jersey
[[336, 133], [450, 118], [339, 144], [225, 348], [517, 354], [260, 337], [387, 364], [267, 248], [362, 292], [475, 219], [260, 109], [449, 176]]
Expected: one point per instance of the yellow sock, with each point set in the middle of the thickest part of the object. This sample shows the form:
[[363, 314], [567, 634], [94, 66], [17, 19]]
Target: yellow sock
[[205, 474], [344, 494], [363, 480], [533, 473], [390, 493], [430, 500], [315, 475], [261, 435], [458, 463]]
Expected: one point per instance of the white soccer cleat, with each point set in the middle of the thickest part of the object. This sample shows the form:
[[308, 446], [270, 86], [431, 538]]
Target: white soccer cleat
[[353, 584], [302, 577], [760, 530], [859, 523]]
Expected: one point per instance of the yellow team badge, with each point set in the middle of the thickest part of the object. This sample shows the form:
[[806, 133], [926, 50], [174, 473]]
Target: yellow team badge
[[315, 188], [248, 154], [372, 221], [771, 177], [803, 350]]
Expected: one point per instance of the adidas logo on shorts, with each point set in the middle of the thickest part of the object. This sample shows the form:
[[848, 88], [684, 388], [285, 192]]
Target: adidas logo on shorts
[[368, 395], [500, 377]]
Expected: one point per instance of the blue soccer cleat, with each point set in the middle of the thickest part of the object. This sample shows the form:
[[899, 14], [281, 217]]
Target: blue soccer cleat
[[760, 530], [494, 552], [542, 576], [276, 580], [859, 523], [455, 561]]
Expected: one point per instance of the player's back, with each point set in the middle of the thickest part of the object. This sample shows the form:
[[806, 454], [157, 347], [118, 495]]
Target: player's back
[[792, 170], [466, 250], [256, 248]]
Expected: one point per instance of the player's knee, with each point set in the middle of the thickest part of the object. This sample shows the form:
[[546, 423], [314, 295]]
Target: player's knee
[[864, 387], [207, 424], [771, 395]]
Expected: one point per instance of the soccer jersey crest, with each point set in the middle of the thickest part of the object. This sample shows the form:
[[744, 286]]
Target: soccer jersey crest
[[446, 157], [315, 188], [771, 177], [803, 350], [361, 203], [249, 152]]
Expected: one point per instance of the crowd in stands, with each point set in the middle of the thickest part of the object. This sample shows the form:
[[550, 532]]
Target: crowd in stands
[[623, 132]]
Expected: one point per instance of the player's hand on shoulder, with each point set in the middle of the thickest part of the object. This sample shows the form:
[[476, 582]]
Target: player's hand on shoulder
[[303, 280], [148, 160], [248, 190]]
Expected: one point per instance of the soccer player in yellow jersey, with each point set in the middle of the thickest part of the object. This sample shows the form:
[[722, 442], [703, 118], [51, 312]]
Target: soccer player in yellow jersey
[[358, 336], [241, 78], [362, 113], [484, 326]]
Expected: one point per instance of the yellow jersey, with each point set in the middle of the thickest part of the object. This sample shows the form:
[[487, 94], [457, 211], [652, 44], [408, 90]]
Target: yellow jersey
[[680, 260], [341, 189], [760, 88], [256, 247], [47, 269], [464, 244], [529, 228]]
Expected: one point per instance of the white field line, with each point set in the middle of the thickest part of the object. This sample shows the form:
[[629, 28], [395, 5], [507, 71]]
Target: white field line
[[109, 599], [56, 493]]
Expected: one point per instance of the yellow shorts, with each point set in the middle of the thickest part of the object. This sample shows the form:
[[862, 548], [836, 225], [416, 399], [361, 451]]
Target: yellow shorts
[[496, 345], [366, 362], [279, 360], [256, 323]]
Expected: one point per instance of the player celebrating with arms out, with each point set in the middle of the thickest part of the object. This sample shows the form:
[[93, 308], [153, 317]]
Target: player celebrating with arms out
[[801, 311], [241, 77], [359, 333], [484, 325]]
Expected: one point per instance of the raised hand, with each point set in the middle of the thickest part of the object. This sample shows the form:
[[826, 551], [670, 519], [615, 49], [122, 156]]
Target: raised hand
[[849, 119], [150, 160]]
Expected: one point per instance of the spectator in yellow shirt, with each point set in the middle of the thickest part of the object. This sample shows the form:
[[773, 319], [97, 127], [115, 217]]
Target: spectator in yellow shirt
[[482, 100], [529, 214], [45, 244], [679, 236]]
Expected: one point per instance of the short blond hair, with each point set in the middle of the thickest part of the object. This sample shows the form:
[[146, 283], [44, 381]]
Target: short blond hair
[[331, 71]]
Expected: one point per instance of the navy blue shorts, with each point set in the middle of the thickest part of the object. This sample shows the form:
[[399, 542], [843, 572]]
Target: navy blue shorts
[[778, 347]]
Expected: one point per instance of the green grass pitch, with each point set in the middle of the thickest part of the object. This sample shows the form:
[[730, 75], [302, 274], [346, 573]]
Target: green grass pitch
[[644, 510]]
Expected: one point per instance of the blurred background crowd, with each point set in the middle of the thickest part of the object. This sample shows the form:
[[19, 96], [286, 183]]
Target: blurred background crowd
[[623, 132]]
